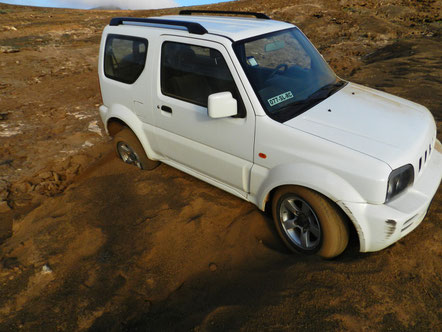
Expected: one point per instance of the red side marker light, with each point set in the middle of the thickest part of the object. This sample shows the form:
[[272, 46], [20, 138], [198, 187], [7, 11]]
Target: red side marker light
[[262, 155]]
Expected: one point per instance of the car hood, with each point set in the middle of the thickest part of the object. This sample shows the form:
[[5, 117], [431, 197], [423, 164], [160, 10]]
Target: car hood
[[372, 122]]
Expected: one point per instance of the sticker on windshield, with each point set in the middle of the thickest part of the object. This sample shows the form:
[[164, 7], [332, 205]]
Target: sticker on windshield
[[252, 61], [279, 99]]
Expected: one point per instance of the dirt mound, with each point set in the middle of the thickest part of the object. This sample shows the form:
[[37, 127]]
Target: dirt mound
[[49, 92], [124, 249], [109, 247]]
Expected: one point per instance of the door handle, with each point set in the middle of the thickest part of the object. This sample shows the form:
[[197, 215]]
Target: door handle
[[166, 109]]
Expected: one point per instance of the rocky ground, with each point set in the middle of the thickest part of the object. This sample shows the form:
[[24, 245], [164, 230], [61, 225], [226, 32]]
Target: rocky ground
[[88, 243]]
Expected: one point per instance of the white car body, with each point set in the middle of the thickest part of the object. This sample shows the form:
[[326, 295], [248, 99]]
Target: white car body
[[345, 147]]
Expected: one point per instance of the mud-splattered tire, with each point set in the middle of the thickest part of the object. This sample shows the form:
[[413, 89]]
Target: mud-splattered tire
[[130, 150], [308, 222]]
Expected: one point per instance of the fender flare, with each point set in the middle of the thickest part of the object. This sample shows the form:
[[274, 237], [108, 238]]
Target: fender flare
[[126, 115], [310, 176]]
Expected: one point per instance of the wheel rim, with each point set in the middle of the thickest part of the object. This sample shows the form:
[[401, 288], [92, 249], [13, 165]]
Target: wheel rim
[[128, 155], [300, 223]]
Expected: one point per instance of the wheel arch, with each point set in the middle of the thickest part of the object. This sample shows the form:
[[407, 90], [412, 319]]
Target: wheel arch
[[355, 230], [114, 125], [323, 181], [314, 177], [120, 117]]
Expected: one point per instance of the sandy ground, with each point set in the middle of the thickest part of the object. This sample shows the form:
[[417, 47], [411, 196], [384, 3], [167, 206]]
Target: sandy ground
[[89, 243]]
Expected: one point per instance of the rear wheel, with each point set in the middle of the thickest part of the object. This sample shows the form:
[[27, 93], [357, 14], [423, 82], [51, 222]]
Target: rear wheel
[[130, 150], [308, 222]]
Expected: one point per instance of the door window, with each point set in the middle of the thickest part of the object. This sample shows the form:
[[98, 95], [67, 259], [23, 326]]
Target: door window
[[192, 73]]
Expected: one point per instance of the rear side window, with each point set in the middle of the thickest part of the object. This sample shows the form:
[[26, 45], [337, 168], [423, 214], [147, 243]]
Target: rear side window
[[124, 58]]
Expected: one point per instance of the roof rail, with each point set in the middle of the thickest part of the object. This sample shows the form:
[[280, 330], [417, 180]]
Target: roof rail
[[190, 12], [192, 27]]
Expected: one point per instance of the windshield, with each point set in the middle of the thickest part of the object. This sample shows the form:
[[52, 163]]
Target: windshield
[[287, 73]]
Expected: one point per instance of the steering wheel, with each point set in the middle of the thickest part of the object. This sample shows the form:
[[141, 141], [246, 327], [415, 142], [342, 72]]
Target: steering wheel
[[278, 67]]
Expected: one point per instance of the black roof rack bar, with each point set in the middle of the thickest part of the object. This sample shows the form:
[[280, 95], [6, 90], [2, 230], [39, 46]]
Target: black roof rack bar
[[192, 27], [190, 12]]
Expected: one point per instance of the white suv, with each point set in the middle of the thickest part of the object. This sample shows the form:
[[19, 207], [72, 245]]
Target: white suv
[[250, 106]]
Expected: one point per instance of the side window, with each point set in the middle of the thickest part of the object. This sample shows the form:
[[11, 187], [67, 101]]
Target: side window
[[192, 73], [124, 58]]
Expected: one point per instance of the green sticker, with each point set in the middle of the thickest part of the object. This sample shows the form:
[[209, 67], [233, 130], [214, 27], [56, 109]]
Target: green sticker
[[279, 99]]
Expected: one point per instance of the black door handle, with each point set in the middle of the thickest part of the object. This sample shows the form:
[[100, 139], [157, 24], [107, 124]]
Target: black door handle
[[166, 109]]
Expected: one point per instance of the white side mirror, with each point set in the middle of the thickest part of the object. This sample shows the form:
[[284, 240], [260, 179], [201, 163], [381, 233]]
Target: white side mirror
[[222, 105]]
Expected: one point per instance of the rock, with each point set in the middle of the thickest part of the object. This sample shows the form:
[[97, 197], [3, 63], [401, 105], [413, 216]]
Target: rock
[[23, 187], [45, 175], [4, 207], [4, 190], [93, 127], [59, 129], [56, 177], [46, 269], [9, 28], [73, 169], [6, 162], [151, 282], [87, 144], [10, 262], [8, 49], [212, 267]]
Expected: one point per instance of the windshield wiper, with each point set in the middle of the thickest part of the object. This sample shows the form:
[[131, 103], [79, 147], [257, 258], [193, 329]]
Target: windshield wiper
[[300, 106], [321, 94], [325, 91]]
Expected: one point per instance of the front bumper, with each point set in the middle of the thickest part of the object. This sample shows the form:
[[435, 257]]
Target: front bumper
[[379, 226]]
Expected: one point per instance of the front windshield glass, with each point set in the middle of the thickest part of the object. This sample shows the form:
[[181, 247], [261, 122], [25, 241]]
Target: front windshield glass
[[287, 73]]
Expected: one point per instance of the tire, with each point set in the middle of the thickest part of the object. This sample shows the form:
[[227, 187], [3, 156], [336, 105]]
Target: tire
[[130, 150], [308, 222]]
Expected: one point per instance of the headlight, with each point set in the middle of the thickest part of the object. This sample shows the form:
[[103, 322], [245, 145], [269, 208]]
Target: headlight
[[399, 180]]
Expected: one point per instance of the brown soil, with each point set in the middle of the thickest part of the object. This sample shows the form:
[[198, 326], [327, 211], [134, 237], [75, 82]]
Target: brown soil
[[90, 243]]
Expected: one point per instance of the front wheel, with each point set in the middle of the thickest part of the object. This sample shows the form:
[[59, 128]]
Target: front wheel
[[130, 150], [308, 222]]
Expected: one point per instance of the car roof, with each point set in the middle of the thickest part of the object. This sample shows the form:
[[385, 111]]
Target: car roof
[[235, 28]]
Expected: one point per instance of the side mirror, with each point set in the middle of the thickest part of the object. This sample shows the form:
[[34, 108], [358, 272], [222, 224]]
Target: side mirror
[[221, 105]]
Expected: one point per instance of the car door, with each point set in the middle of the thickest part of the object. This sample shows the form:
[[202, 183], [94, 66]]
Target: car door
[[221, 149]]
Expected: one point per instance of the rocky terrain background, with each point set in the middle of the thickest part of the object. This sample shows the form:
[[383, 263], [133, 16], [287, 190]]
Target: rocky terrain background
[[90, 243]]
